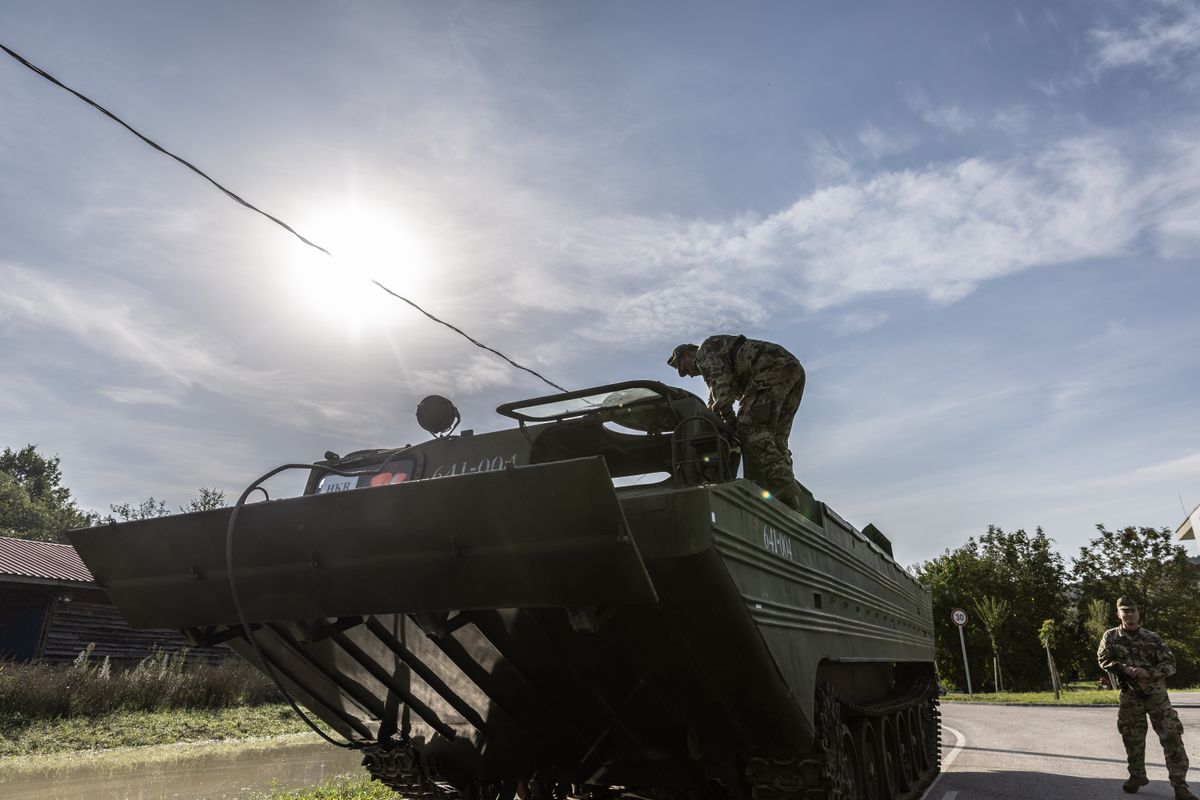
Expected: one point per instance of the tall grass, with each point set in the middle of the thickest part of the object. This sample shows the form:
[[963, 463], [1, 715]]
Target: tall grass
[[340, 787], [161, 681]]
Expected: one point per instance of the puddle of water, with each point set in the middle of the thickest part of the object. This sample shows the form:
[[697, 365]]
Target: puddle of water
[[215, 771]]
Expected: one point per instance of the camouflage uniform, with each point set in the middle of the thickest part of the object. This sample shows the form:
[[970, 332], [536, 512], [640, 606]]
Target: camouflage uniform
[[1121, 649], [767, 382]]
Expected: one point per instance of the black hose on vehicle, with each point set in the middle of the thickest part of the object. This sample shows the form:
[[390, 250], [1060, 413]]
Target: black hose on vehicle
[[237, 603]]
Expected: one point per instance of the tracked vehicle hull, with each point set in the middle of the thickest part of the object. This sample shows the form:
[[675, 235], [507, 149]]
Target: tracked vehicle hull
[[535, 628]]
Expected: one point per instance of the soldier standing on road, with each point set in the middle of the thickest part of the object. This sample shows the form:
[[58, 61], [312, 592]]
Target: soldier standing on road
[[767, 382], [1142, 663]]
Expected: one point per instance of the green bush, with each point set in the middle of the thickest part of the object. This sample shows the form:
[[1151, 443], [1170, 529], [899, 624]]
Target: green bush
[[161, 681]]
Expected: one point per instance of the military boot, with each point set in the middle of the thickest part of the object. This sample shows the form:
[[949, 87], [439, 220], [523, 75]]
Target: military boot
[[1182, 793], [1136, 782]]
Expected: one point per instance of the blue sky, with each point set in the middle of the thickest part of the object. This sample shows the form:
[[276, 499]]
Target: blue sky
[[976, 225]]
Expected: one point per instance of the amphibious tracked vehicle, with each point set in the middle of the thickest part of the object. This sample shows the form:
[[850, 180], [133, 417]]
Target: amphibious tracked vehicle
[[589, 603]]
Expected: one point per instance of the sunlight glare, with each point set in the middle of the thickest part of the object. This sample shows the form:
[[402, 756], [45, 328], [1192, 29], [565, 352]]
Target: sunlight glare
[[366, 244]]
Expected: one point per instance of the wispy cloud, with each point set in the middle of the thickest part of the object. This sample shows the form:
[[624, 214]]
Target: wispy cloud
[[121, 327], [134, 395], [853, 322], [1164, 36], [879, 143], [939, 232], [949, 117]]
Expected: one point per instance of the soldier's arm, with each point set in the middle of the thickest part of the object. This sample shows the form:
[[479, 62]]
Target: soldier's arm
[[1107, 657], [1164, 666], [718, 374]]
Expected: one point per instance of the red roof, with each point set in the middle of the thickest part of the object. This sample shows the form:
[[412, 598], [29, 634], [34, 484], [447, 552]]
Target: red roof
[[56, 562]]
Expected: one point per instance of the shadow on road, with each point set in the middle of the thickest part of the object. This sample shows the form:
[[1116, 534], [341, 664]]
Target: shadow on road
[[1023, 785], [1043, 754]]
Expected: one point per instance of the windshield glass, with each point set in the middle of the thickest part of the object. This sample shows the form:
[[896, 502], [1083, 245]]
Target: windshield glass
[[391, 471]]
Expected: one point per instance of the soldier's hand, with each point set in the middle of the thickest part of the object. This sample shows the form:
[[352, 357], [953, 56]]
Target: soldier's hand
[[1140, 673]]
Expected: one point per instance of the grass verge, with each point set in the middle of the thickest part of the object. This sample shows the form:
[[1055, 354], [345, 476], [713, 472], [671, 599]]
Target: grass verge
[[1081, 697], [342, 787], [1077, 697], [23, 736], [96, 688]]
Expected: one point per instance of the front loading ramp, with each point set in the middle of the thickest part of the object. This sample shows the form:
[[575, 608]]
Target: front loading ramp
[[536, 536]]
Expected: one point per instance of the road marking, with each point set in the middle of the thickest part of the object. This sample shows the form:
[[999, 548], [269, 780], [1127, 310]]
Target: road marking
[[959, 741]]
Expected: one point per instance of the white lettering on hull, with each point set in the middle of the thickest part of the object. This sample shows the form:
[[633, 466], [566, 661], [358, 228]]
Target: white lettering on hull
[[778, 543]]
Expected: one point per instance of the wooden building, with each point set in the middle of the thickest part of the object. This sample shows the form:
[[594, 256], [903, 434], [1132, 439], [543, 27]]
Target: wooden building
[[51, 609]]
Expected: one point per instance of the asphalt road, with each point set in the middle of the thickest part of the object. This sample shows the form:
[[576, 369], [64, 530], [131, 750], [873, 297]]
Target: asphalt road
[[1022, 752]]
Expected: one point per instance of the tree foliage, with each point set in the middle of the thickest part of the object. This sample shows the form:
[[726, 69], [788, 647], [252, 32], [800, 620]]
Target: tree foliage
[[1147, 565], [1019, 567], [33, 502], [993, 613], [147, 509], [1057, 610], [1097, 617], [207, 500]]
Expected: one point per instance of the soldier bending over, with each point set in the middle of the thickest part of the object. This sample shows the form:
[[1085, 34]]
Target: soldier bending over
[[767, 382], [1142, 663]]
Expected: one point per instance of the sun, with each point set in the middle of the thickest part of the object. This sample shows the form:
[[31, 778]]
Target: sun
[[367, 245]]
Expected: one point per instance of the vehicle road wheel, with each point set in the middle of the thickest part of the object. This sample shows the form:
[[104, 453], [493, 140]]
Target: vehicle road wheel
[[888, 763], [869, 771], [850, 786], [917, 737], [906, 756]]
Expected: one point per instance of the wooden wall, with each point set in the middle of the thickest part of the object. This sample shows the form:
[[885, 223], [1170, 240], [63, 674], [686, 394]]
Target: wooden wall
[[88, 617]]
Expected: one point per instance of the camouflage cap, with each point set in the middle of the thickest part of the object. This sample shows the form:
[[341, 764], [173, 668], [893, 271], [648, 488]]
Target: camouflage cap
[[677, 355], [1124, 601]]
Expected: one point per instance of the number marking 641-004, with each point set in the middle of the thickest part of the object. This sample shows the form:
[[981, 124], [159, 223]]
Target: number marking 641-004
[[778, 543]]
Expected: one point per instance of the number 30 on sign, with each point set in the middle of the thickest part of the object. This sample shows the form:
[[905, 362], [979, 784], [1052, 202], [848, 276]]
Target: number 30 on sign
[[958, 617]]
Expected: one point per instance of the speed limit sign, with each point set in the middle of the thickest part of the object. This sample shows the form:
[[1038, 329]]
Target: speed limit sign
[[959, 618]]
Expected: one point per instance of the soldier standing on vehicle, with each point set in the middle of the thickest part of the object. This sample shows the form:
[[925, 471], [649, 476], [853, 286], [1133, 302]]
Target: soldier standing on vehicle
[[1142, 663], [767, 383]]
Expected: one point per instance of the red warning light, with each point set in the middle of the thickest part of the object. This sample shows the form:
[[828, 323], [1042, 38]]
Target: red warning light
[[384, 478]]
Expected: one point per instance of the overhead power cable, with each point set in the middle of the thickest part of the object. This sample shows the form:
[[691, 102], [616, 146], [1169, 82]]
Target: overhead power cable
[[241, 201]]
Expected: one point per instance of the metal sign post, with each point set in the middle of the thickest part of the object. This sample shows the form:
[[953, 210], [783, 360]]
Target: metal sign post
[[959, 618]]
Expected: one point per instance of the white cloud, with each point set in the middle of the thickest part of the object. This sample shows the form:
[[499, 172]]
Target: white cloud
[[120, 326], [944, 230], [1178, 224], [859, 321], [939, 232], [1013, 120], [133, 395], [1159, 39], [949, 118], [478, 372], [879, 143]]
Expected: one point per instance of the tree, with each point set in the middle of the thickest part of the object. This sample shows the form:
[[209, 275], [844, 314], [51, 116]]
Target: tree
[[33, 502], [993, 613], [1019, 567], [1097, 618], [1046, 636], [1147, 565], [147, 509], [207, 500]]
